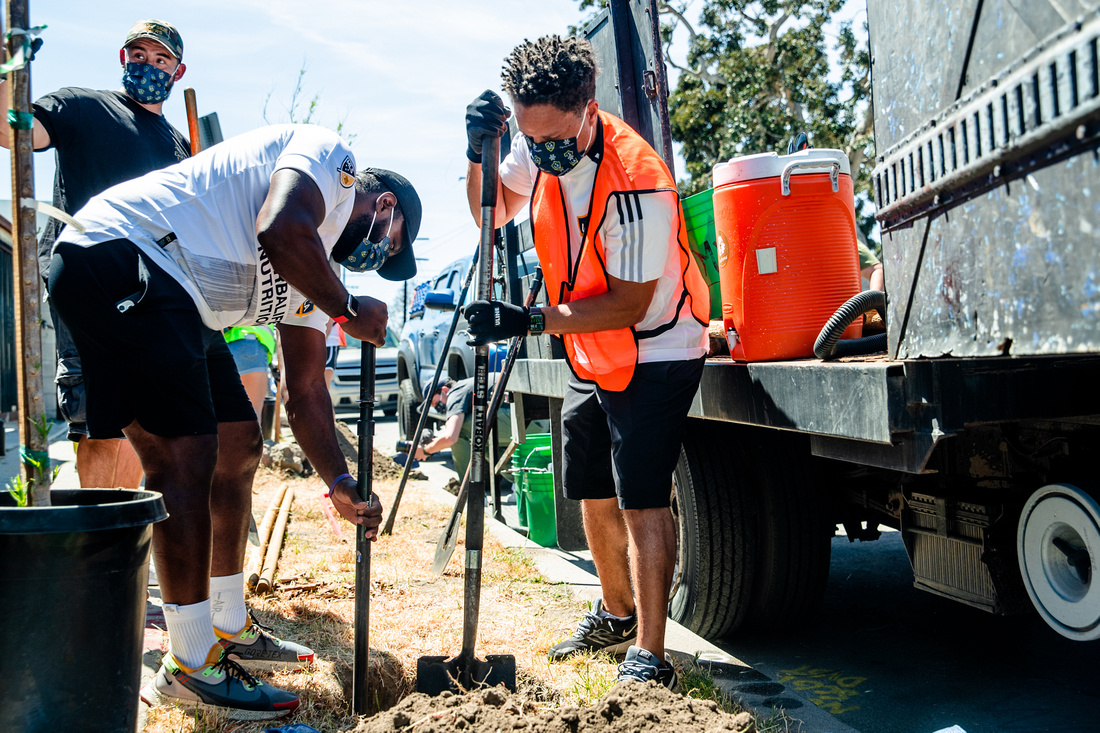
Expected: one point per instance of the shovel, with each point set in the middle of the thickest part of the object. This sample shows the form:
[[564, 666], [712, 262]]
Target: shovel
[[446, 545], [360, 683], [435, 675], [387, 525]]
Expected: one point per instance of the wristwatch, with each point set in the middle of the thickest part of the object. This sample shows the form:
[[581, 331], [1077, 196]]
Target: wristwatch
[[536, 321], [350, 310]]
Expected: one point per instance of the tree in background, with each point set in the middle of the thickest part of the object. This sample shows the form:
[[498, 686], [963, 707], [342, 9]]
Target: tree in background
[[758, 72], [296, 115]]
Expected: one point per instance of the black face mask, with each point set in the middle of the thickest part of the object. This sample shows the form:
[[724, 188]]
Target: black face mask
[[558, 157]]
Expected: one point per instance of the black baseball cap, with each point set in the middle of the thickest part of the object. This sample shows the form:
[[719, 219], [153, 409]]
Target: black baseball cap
[[401, 266]]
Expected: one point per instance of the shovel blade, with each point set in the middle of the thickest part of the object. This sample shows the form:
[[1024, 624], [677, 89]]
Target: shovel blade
[[435, 675]]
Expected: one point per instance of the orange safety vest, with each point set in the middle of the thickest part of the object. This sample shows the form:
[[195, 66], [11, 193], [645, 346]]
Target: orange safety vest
[[629, 164]]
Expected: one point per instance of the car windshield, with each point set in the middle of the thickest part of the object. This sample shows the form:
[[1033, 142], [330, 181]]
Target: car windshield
[[391, 340]]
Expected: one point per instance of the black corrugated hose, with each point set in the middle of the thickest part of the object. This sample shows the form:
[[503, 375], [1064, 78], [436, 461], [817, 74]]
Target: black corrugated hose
[[828, 344]]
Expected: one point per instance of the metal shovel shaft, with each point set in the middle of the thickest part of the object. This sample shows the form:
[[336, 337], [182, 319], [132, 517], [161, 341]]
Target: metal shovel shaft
[[475, 502], [446, 545], [364, 486]]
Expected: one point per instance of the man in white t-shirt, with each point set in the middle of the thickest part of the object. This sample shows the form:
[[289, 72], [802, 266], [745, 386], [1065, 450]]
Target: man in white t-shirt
[[630, 306], [248, 232]]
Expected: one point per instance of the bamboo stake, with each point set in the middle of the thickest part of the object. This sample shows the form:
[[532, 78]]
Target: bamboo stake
[[266, 525], [275, 546], [33, 428]]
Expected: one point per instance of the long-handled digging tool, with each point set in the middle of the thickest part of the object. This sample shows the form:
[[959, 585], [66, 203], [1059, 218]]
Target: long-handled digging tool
[[360, 693], [466, 672], [387, 525], [446, 545], [192, 109]]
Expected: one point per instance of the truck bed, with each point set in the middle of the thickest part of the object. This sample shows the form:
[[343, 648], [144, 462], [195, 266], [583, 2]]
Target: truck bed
[[878, 411]]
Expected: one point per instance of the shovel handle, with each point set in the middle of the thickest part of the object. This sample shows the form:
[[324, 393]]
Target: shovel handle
[[490, 159], [360, 681]]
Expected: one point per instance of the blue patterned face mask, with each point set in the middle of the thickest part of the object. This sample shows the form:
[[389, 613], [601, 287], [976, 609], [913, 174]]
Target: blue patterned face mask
[[368, 256], [146, 83], [558, 157]]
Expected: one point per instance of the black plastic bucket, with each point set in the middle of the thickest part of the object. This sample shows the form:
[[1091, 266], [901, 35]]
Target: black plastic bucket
[[72, 609]]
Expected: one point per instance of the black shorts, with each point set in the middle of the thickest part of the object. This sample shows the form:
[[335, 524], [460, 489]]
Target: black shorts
[[331, 353], [146, 354], [626, 444]]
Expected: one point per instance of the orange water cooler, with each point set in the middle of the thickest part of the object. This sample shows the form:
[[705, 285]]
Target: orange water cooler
[[787, 255]]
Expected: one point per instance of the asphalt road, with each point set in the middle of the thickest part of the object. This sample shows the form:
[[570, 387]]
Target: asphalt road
[[885, 657]]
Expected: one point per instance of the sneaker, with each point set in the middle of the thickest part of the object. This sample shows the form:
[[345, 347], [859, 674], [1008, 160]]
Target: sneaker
[[598, 633], [642, 666], [220, 684], [257, 648]]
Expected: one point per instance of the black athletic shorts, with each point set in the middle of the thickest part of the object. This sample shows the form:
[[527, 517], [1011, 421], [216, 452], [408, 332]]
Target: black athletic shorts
[[626, 444], [146, 354]]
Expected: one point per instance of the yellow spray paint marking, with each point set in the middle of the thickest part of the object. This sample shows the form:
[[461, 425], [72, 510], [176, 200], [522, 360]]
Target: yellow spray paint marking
[[826, 688]]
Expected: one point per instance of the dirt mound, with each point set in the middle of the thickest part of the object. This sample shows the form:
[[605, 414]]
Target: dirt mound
[[628, 708], [384, 467]]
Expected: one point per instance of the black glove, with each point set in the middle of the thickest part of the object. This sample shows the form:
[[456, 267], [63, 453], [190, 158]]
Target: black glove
[[495, 321], [486, 116]]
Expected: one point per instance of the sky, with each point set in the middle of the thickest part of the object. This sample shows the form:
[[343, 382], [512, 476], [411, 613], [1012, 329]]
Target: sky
[[397, 74]]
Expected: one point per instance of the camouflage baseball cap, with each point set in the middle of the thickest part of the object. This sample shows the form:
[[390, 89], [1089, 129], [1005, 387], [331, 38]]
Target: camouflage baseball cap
[[157, 30]]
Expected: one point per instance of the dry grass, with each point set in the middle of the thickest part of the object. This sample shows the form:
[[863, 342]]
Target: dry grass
[[412, 613]]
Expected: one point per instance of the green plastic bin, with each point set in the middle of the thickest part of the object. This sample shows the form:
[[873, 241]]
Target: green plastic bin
[[522, 461], [542, 527], [699, 217]]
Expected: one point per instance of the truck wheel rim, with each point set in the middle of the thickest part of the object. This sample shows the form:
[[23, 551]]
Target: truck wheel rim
[[1059, 552]]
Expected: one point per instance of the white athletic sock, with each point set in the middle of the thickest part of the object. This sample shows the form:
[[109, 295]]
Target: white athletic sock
[[190, 634], [227, 603], [605, 614]]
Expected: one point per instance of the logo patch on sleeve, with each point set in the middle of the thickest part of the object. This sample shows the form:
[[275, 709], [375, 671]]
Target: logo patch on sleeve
[[304, 309], [347, 172]]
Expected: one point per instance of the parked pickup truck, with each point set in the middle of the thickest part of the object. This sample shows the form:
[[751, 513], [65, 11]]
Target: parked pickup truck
[[344, 388], [975, 435], [423, 337]]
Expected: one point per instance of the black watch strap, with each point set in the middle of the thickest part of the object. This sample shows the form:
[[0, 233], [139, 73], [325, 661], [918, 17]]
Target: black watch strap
[[536, 321], [350, 310]]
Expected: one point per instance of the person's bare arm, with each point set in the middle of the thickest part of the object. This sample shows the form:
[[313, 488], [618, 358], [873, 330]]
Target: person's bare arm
[[622, 306], [876, 278], [287, 230], [443, 441], [309, 409], [39, 137], [508, 202]]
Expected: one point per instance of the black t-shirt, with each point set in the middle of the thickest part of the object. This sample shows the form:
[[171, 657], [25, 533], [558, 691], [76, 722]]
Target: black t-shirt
[[460, 400], [102, 138]]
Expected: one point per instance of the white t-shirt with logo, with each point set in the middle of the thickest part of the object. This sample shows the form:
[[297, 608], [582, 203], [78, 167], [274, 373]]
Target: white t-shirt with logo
[[197, 220], [641, 243]]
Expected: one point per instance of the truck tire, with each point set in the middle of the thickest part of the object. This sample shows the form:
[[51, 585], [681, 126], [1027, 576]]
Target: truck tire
[[1058, 547], [793, 535], [713, 507], [407, 414]]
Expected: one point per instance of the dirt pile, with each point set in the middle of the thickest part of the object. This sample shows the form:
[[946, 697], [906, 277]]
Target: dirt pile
[[628, 708], [384, 467]]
